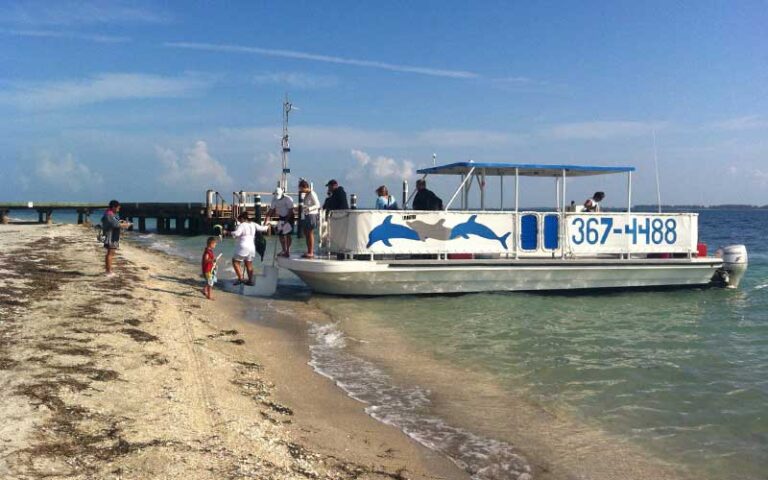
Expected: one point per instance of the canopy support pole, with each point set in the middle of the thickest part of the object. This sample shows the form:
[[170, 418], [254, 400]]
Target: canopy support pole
[[562, 219], [501, 187], [517, 216], [469, 177], [629, 207], [481, 181]]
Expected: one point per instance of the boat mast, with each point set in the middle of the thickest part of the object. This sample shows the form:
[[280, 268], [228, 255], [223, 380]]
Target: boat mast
[[286, 146]]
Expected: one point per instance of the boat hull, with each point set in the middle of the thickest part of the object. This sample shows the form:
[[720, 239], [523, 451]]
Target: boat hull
[[372, 278]]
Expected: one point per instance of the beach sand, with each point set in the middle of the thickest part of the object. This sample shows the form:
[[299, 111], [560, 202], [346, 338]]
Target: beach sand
[[139, 377]]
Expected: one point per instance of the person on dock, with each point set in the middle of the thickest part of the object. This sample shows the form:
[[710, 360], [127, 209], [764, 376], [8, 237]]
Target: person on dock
[[593, 204], [425, 199], [385, 201], [209, 267], [111, 225], [310, 213], [337, 197], [282, 208]]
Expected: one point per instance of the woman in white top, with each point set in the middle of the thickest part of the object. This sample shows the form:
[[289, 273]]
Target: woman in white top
[[245, 247], [310, 213]]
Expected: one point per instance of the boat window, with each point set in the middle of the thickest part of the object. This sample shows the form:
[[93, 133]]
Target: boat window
[[529, 232], [551, 232]]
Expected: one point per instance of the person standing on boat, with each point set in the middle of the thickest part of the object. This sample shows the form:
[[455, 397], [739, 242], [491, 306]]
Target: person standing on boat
[[385, 201], [309, 216], [282, 207], [593, 204], [425, 199], [337, 197]]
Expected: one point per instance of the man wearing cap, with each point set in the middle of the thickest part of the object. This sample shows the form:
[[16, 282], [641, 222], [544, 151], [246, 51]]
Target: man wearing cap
[[282, 208], [337, 197]]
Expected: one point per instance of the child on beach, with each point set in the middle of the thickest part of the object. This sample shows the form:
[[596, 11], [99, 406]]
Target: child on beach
[[209, 267]]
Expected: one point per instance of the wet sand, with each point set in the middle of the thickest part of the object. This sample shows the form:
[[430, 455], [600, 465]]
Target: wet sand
[[139, 377]]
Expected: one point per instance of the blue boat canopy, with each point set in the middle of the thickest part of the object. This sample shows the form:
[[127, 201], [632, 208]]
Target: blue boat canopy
[[523, 169]]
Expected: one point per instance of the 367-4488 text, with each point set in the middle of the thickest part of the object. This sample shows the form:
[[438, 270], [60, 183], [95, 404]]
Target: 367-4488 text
[[597, 231]]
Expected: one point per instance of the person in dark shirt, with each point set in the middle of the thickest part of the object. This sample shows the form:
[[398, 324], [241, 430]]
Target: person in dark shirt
[[110, 227], [337, 197], [425, 199]]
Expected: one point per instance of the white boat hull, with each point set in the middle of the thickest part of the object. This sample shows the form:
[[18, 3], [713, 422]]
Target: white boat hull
[[350, 277]]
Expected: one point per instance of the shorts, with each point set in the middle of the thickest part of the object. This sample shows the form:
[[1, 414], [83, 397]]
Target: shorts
[[309, 222], [210, 278], [111, 245], [284, 228], [244, 258]]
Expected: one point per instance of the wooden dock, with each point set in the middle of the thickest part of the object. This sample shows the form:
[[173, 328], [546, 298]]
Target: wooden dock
[[45, 210], [192, 218]]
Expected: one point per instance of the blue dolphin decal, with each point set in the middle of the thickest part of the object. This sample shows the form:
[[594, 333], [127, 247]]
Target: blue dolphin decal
[[471, 227], [388, 230]]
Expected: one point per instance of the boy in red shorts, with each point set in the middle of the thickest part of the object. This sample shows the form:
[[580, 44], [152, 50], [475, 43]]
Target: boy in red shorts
[[209, 267]]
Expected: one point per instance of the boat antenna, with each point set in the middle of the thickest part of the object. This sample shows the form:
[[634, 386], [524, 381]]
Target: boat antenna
[[286, 146], [656, 165]]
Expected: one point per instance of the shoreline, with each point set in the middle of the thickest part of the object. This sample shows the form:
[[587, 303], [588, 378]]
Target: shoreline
[[555, 444], [140, 377]]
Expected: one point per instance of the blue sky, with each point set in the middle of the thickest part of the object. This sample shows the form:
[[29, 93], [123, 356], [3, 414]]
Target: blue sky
[[161, 100]]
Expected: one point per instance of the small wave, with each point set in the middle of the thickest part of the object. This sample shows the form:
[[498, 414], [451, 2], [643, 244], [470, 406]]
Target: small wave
[[155, 242], [760, 287], [407, 409]]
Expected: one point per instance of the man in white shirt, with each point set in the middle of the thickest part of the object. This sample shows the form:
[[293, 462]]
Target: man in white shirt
[[282, 208]]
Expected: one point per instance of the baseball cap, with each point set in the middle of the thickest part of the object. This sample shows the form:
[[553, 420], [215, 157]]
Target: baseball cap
[[331, 182]]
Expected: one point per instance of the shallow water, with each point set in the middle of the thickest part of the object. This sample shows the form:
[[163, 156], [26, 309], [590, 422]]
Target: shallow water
[[680, 374]]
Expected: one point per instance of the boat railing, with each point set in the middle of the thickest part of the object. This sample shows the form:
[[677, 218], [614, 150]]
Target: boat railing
[[375, 234]]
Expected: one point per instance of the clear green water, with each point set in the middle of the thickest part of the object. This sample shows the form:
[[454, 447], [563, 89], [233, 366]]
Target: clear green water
[[682, 374]]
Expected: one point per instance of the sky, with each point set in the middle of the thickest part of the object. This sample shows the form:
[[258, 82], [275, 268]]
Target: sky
[[159, 101]]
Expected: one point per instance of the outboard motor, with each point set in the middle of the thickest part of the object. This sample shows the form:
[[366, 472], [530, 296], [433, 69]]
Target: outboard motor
[[734, 264]]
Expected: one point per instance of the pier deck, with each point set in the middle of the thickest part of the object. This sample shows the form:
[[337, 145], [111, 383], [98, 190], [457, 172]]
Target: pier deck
[[190, 218]]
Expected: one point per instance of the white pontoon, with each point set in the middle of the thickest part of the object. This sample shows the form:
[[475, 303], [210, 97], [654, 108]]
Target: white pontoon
[[385, 252]]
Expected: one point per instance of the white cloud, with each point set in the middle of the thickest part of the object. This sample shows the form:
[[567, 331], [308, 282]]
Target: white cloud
[[76, 12], [761, 177], [435, 72], [194, 170], [601, 130], [297, 80], [757, 176], [748, 122], [66, 35], [268, 168], [101, 88], [66, 173], [378, 168]]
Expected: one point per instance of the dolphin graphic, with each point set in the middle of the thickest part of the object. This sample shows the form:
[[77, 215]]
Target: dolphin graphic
[[426, 230], [388, 230], [471, 227]]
